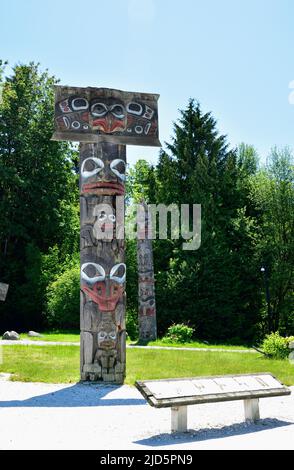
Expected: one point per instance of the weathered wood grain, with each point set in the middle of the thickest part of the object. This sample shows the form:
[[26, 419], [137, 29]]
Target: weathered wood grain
[[102, 315], [96, 115], [189, 391], [146, 288]]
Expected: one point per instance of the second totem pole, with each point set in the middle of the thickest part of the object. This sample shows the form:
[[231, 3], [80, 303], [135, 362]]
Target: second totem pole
[[104, 121]]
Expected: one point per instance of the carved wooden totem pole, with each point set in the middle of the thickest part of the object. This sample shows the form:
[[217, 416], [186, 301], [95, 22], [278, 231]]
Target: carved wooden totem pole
[[104, 121], [146, 289], [3, 291]]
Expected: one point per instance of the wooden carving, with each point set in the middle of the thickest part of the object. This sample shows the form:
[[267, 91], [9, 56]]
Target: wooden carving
[[104, 121], [103, 114], [103, 271], [3, 291], [146, 294]]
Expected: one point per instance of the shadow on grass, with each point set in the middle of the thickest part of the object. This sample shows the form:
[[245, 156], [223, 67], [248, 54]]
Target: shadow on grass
[[78, 395], [209, 433]]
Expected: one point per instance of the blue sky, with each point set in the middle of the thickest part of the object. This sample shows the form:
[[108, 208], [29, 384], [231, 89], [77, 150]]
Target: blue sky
[[235, 56]]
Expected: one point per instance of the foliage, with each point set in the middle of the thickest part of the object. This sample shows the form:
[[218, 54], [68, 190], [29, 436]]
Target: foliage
[[38, 193], [132, 324], [216, 286], [63, 305], [140, 183], [272, 194], [247, 222], [179, 333], [276, 346]]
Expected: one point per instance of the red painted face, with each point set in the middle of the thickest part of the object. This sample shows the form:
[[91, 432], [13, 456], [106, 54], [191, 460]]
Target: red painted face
[[103, 289], [105, 296]]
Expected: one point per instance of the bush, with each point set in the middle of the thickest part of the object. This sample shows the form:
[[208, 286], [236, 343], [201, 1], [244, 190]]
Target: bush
[[179, 333], [132, 324], [276, 346], [63, 300]]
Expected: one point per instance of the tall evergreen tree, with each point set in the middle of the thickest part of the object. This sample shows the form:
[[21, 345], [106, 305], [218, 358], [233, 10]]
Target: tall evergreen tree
[[212, 287], [38, 190]]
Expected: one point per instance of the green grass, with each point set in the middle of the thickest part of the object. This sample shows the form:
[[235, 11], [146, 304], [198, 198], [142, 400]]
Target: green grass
[[58, 335], [195, 344], [60, 364], [74, 336]]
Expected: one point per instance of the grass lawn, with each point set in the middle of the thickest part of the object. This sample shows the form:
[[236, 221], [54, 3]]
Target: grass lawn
[[195, 344], [74, 336], [62, 336], [60, 364]]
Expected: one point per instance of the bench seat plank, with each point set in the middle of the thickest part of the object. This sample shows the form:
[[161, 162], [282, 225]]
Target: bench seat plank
[[196, 390]]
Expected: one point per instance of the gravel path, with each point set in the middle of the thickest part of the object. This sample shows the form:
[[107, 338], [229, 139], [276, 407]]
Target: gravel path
[[90, 416], [28, 342]]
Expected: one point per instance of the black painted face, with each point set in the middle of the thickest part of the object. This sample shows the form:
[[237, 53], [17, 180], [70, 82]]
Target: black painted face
[[103, 178]]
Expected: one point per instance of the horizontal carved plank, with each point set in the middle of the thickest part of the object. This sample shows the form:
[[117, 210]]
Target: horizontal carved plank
[[189, 391], [105, 115]]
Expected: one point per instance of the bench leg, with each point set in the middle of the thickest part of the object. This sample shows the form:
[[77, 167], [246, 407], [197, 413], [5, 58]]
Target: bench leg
[[251, 409], [179, 418]]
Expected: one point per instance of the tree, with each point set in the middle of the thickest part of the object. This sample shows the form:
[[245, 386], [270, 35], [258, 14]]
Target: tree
[[272, 193], [38, 190], [214, 288]]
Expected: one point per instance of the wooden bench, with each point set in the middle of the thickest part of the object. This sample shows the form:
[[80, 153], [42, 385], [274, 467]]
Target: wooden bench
[[179, 393]]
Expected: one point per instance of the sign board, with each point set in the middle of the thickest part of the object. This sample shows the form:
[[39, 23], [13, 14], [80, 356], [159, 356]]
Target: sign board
[[160, 393], [3, 291], [105, 115]]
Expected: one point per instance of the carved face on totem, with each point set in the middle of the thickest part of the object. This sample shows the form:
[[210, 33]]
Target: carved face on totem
[[147, 300], [105, 225], [145, 260], [103, 178], [108, 115], [105, 289], [107, 336], [106, 112]]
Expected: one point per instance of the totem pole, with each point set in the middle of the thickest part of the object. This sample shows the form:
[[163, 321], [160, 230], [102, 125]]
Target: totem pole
[[3, 291], [146, 289], [104, 121]]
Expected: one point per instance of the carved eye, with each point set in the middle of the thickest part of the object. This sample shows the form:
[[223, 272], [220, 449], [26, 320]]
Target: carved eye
[[118, 111], [75, 124], [92, 273], [134, 108], [118, 273], [111, 217], [96, 164], [102, 335], [102, 216], [79, 104], [118, 167], [99, 109], [112, 335]]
